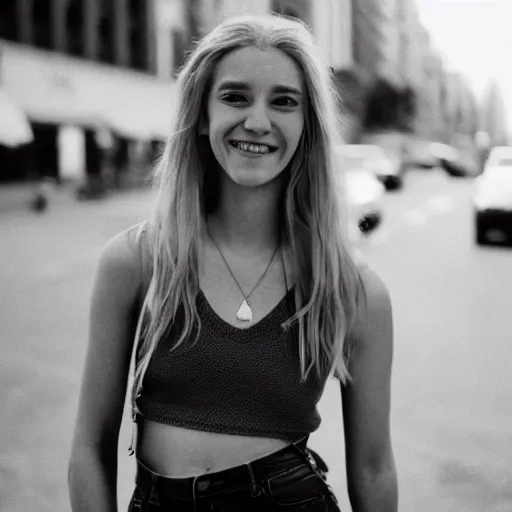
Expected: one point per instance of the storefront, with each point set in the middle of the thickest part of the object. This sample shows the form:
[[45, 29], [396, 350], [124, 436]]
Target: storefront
[[77, 108], [15, 134]]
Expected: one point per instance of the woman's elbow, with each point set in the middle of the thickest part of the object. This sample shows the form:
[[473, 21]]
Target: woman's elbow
[[83, 455], [92, 481], [374, 486]]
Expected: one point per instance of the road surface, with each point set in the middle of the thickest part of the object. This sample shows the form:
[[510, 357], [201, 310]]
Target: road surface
[[452, 378]]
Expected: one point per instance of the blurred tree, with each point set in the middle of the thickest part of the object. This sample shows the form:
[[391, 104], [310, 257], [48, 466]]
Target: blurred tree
[[351, 90], [407, 109], [388, 107]]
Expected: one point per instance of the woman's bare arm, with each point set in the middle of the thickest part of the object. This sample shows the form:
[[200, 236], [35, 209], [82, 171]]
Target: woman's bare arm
[[92, 472], [371, 472]]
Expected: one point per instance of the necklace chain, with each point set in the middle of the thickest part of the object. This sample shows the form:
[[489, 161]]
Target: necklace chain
[[233, 275]]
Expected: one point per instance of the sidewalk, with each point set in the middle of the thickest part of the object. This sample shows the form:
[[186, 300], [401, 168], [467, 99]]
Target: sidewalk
[[16, 197]]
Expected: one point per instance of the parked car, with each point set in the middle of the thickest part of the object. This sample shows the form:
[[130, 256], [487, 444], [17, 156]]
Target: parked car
[[375, 160], [461, 166], [441, 151], [459, 162], [420, 154], [364, 194], [493, 198]]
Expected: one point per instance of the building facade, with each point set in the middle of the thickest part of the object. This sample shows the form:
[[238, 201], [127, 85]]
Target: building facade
[[460, 110], [389, 68], [117, 32], [368, 36], [430, 112], [172, 36], [421, 68], [212, 12], [493, 115], [422, 79], [84, 72]]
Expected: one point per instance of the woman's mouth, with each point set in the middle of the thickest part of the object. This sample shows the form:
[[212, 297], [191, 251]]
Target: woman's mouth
[[252, 147]]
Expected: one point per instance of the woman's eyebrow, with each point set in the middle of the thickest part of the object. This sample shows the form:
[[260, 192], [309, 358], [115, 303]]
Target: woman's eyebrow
[[286, 89], [244, 86], [231, 84]]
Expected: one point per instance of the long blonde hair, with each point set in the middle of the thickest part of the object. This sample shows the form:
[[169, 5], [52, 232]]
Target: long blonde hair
[[329, 287]]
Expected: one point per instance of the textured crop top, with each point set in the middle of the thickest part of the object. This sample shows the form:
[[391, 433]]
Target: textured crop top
[[234, 381]]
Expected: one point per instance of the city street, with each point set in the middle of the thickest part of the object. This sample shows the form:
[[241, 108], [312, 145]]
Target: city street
[[452, 378]]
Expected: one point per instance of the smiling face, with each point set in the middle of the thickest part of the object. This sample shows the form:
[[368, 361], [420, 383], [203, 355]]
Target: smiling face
[[255, 114]]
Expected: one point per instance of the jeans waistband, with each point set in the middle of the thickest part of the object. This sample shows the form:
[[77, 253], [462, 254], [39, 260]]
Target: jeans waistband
[[245, 477]]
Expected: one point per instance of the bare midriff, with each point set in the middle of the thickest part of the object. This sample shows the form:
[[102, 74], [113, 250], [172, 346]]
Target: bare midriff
[[178, 452]]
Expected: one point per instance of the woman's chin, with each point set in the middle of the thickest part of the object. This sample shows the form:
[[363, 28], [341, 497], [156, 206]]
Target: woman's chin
[[253, 178]]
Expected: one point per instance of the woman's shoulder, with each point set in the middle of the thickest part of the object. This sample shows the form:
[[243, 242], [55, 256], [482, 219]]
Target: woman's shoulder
[[376, 312], [374, 286], [124, 248], [122, 259]]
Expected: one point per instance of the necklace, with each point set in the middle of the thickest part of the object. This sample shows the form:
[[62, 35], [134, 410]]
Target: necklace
[[244, 312]]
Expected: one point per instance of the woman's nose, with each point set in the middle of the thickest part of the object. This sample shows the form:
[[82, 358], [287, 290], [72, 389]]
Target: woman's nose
[[257, 121]]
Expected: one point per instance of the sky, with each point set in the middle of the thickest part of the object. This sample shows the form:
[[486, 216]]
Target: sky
[[475, 38]]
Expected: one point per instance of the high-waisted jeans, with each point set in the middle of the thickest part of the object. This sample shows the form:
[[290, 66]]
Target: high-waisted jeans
[[286, 480]]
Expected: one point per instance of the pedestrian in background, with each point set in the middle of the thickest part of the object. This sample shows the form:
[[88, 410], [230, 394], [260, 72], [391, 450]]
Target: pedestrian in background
[[242, 297]]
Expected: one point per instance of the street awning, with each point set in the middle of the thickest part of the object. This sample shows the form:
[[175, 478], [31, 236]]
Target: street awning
[[57, 89], [15, 128], [137, 123], [61, 109], [142, 113]]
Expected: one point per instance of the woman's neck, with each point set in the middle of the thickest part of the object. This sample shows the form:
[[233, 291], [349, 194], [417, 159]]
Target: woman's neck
[[247, 220]]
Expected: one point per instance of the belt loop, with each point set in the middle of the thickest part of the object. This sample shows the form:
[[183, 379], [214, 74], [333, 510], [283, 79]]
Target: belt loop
[[302, 442], [153, 494], [302, 447], [138, 498], [255, 488]]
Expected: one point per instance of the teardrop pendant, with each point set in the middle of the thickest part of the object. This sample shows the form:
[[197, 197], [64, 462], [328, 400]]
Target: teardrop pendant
[[244, 313]]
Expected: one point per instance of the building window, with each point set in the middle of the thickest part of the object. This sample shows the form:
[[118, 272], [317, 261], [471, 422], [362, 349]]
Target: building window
[[137, 21], [74, 27], [8, 20], [42, 24], [106, 31]]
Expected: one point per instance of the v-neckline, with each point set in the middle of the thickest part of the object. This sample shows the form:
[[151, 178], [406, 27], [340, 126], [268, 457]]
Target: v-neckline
[[263, 322]]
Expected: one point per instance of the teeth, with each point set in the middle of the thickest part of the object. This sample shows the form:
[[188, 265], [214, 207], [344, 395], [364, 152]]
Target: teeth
[[252, 148]]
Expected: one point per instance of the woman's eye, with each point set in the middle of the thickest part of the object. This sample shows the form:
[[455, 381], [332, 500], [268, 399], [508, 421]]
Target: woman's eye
[[286, 101], [234, 97]]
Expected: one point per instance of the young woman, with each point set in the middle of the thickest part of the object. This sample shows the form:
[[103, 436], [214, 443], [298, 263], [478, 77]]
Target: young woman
[[242, 297]]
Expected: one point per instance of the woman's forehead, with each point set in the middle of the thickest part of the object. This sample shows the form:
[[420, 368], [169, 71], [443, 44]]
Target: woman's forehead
[[258, 68]]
